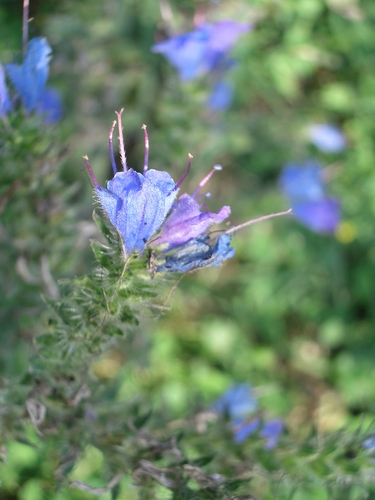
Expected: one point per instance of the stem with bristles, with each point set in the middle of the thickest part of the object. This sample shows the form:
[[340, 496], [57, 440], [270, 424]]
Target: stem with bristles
[[90, 171], [121, 141], [111, 153], [147, 149], [185, 173], [25, 25]]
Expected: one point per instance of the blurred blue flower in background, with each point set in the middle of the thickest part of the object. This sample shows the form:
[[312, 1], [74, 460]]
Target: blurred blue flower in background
[[205, 50], [30, 77], [29, 80], [271, 431], [238, 402], [303, 185], [243, 429], [50, 105], [201, 50], [221, 96], [327, 137], [240, 405], [5, 104]]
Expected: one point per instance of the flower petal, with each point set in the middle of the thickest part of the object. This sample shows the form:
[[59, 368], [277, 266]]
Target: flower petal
[[197, 253], [187, 222]]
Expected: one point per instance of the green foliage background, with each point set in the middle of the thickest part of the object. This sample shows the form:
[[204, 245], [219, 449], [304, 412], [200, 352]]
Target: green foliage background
[[292, 314]]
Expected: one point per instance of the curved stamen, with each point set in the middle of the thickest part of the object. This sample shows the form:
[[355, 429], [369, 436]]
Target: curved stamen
[[185, 173], [206, 179], [91, 172], [121, 141], [147, 149], [111, 154], [259, 219], [204, 206]]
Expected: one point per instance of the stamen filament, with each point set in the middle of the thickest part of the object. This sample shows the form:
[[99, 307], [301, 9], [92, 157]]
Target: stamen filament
[[121, 141], [206, 179], [259, 219], [91, 172], [25, 25], [111, 153], [147, 149], [185, 173]]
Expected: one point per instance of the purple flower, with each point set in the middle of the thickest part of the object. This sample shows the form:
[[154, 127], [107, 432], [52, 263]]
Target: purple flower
[[328, 138], [29, 78], [5, 104], [186, 220], [201, 50], [135, 203], [304, 187], [271, 431]]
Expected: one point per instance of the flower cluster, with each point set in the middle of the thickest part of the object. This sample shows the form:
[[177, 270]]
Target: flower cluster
[[240, 405], [304, 188], [144, 210], [202, 51], [29, 81]]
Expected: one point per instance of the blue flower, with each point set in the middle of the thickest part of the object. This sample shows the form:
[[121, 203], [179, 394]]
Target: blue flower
[[30, 77], [304, 187], [138, 205], [201, 50], [328, 138], [186, 220], [5, 104], [135, 203]]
